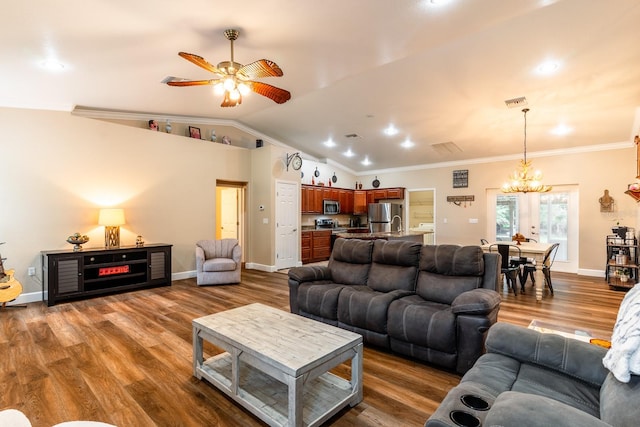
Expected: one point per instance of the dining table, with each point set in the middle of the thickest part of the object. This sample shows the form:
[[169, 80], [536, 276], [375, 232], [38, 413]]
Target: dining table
[[532, 250]]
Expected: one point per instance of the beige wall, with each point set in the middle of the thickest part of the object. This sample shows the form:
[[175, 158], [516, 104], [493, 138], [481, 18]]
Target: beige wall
[[593, 172], [59, 169]]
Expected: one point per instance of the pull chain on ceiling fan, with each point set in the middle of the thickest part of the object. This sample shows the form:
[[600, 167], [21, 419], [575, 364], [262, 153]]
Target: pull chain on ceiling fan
[[234, 79]]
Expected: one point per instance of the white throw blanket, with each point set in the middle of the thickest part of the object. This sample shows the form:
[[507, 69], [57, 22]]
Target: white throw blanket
[[623, 358]]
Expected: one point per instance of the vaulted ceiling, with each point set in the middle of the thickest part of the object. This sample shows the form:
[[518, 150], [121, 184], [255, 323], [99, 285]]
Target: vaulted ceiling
[[439, 72]]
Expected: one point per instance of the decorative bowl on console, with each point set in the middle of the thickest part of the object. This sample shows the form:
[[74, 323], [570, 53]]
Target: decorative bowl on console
[[77, 240]]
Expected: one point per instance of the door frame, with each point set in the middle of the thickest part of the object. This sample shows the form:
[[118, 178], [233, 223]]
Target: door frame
[[527, 205], [241, 210]]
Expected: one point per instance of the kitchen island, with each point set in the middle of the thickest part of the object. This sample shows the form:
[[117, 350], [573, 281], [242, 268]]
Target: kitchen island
[[413, 236]]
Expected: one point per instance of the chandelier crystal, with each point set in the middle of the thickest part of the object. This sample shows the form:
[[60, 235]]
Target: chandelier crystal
[[524, 179]]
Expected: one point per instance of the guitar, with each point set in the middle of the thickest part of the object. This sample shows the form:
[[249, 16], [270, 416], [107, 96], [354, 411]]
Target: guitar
[[10, 288]]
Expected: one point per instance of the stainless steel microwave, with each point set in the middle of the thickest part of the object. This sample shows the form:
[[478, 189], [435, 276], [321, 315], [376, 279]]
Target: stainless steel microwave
[[331, 207]]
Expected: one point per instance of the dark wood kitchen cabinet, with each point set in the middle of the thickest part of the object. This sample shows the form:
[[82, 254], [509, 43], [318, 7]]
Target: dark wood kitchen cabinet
[[70, 275], [315, 245]]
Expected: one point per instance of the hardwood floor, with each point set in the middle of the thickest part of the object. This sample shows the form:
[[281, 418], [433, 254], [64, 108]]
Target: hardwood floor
[[126, 359]]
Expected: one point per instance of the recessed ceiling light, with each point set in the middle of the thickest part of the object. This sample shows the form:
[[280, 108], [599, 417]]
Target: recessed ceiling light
[[52, 65], [366, 161], [390, 130], [407, 143], [329, 143], [561, 130], [348, 153], [547, 67]]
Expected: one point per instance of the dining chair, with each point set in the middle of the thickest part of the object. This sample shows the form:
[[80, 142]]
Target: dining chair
[[547, 263], [510, 271], [484, 242]]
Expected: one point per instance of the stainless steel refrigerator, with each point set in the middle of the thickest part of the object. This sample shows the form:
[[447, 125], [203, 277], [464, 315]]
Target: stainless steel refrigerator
[[381, 215]]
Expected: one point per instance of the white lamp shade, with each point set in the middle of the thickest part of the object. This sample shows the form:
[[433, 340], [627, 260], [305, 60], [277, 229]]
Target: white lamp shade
[[111, 217]]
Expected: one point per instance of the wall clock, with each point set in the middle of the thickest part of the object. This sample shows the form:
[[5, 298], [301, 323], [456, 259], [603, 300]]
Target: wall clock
[[295, 161]]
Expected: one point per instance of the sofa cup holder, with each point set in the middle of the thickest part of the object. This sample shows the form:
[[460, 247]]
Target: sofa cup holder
[[464, 419], [474, 402]]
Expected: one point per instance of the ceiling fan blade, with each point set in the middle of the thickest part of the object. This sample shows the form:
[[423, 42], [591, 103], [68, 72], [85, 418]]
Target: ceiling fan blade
[[183, 82], [200, 62], [260, 68], [278, 95]]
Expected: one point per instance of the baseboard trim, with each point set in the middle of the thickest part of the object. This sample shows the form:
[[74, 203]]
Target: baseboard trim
[[261, 267], [592, 273]]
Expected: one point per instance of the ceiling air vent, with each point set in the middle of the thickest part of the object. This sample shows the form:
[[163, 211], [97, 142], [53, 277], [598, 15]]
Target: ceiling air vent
[[446, 147], [351, 135], [516, 102]]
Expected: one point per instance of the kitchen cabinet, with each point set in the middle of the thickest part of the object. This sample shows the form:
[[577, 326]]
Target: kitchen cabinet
[[395, 193], [315, 245], [345, 197], [72, 275], [360, 202], [305, 246], [311, 199]]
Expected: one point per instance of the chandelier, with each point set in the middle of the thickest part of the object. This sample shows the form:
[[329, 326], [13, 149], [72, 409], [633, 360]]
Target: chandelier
[[524, 179]]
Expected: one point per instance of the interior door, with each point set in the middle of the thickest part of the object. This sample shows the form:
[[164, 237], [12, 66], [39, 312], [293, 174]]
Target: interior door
[[229, 213], [287, 224]]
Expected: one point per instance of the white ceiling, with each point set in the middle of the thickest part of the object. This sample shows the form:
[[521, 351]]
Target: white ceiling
[[439, 73]]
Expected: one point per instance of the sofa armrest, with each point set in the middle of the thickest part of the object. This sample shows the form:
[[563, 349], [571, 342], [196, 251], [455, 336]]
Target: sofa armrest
[[476, 301], [236, 255], [566, 355], [310, 273], [298, 275], [512, 408], [199, 258]]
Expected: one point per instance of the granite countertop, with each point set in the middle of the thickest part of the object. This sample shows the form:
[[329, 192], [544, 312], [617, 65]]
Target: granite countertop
[[382, 235]]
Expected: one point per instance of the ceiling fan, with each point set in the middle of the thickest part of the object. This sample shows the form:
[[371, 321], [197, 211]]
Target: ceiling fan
[[234, 79]]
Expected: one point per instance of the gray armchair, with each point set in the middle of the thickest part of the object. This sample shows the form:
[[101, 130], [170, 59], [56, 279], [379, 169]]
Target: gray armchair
[[218, 262]]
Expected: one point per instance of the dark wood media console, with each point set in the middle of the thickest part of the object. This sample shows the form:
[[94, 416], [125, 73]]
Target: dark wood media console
[[75, 275]]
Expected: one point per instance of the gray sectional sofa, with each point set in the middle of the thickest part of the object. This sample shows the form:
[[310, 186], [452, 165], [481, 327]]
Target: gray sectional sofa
[[432, 302], [531, 379]]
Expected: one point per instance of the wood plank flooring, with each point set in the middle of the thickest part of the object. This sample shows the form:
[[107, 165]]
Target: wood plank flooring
[[126, 359]]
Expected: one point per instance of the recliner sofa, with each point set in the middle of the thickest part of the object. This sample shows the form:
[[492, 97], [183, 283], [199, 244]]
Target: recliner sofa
[[528, 379], [432, 302]]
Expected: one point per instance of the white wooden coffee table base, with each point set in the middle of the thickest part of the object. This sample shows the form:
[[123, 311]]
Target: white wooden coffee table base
[[300, 393]]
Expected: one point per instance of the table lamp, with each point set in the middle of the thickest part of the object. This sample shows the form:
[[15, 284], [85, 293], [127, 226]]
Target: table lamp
[[112, 219]]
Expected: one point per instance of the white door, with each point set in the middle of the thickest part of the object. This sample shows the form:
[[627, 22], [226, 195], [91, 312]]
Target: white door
[[229, 213], [546, 217], [287, 219]]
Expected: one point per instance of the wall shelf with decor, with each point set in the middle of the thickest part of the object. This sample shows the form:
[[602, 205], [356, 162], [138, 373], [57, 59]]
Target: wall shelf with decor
[[70, 275]]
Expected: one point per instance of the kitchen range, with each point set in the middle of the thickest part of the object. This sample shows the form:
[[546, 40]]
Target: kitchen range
[[330, 224]]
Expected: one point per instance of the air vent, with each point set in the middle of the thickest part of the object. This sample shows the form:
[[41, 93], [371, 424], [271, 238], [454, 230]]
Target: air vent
[[516, 102], [446, 148], [351, 135]]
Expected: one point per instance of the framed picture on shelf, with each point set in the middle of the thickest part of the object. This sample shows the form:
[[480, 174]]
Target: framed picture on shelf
[[194, 132]]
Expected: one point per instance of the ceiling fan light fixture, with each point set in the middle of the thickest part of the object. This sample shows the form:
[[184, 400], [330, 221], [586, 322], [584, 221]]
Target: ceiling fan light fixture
[[234, 95], [218, 88], [244, 89], [229, 83], [235, 79]]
